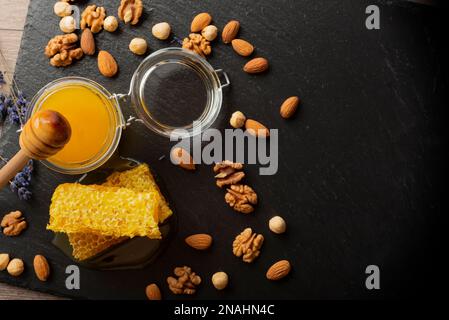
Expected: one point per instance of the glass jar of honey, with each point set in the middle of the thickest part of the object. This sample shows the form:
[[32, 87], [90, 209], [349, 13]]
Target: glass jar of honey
[[96, 121]]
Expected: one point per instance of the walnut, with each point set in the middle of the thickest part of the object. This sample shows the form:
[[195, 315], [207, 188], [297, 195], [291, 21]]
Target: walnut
[[231, 179], [197, 43], [130, 11], [60, 43], [227, 173], [241, 198], [226, 165], [93, 17], [186, 282], [13, 223], [63, 49], [247, 244]]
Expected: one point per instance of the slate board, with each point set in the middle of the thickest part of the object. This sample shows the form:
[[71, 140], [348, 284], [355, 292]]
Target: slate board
[[360, 166]]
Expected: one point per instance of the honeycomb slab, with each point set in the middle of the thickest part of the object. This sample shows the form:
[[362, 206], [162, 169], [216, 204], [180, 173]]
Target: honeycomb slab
[[108, 211]]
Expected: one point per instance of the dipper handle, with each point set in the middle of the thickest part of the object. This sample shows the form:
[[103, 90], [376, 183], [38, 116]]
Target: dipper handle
[[44, 135]]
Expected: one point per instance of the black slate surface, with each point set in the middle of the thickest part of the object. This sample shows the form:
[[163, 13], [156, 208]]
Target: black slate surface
[[359, 167]]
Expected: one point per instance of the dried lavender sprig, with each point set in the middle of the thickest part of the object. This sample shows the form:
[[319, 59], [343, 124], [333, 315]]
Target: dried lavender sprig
[[14, 111], [24, 194], [22, 181], [20, 108]]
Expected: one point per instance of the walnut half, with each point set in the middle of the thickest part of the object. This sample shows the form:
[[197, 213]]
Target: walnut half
[[13, 224], [197, 43], [93, 17], [241, 198], [63, 49], [227, 173], [247, 245], [185, 283], [130, 11]]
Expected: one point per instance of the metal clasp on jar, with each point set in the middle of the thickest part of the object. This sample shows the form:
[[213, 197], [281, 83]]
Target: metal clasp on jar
[[225, 76]]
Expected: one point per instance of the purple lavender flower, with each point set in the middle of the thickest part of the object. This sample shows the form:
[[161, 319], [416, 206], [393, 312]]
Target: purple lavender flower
[[24, 194], [13, 115], [22, 181], [14, 110], [21, 106], [28, 170]]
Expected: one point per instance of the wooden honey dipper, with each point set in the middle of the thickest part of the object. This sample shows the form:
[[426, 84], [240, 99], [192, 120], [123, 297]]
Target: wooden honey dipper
[[45, 134]]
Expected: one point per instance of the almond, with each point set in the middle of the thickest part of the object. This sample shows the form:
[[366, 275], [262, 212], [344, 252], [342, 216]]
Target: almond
[[107, 64], [278, 270], [288, 107], [256, 129], [153, 293], [88, 42], [200, 241], [41, 267], [200, 22], [256, 65], [242, 47], [230, 31], [182, 158]]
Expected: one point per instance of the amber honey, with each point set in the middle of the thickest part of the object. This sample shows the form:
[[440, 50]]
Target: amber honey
[[94, 120]]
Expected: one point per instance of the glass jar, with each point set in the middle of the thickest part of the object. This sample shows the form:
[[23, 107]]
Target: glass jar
[[82, 102], [177, 93]]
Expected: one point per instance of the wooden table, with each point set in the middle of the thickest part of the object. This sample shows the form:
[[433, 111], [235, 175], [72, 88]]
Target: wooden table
[[12, 20]]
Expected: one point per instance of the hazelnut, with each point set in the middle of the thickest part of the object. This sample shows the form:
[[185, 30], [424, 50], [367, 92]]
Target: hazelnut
[[161, 30], [220, 280], [15, 267], [67, 24], [110, 24], [62, 9], [210, 33], [138, 46], [4, 260], [237, 119], [277, 225]]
